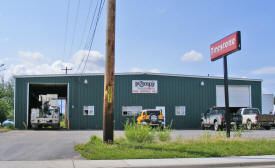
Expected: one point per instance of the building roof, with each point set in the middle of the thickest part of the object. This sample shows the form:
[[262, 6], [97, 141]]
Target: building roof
[[134, 73]]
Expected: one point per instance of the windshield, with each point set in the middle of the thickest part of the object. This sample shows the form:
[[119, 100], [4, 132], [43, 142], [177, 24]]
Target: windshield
[[153, 112], [251, 111]]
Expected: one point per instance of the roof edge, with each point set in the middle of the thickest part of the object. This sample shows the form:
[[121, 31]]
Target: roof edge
[[135, 73]]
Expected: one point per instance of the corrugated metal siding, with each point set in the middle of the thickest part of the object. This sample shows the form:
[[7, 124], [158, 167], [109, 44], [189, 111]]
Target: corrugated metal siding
[[172, 91]]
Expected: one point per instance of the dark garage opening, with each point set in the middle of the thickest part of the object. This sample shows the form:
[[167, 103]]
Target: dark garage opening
[[35, 90]]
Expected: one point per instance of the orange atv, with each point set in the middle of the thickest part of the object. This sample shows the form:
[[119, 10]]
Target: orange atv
[[151, 117]]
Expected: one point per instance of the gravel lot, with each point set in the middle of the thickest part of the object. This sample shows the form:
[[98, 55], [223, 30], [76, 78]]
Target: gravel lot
[[53, 145]]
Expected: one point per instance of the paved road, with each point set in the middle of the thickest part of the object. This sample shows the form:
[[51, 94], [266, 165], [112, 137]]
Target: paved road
[[54, 145]]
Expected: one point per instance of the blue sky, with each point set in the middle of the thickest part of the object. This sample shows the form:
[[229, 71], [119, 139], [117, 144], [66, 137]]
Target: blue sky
[[158, 36]]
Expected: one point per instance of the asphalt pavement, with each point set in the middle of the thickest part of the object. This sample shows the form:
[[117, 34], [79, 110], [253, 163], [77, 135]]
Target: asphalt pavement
[[30, 145]]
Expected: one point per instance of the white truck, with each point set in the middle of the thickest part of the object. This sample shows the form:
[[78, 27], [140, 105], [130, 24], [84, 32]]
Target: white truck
[[48, 114], [252, 117]]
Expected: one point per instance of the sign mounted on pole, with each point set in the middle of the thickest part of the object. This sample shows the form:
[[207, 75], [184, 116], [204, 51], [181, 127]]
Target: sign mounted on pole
[[225, 46], [220, 49]]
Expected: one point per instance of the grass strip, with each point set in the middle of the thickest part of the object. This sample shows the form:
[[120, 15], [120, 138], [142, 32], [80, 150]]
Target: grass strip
[[199, 148]]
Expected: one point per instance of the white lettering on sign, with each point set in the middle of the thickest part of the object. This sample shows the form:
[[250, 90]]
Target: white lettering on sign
[[223, 46], [144, 86]]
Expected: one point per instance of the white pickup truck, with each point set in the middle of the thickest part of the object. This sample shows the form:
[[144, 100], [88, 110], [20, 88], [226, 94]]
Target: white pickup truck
[[252, 117]]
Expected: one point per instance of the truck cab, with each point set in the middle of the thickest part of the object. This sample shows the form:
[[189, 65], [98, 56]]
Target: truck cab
[[215, 117]]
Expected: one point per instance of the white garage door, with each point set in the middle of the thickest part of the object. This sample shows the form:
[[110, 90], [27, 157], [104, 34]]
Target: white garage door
[[239, 96]]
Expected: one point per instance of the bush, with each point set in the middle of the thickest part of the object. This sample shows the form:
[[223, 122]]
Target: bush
[[10, 126], [138, 133], [95, 140], [165, 134]]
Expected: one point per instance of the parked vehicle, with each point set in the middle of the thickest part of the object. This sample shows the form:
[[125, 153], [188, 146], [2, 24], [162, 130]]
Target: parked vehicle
[[151, 117], [216, 117], [252, 117], [48, 114], [7, 122]]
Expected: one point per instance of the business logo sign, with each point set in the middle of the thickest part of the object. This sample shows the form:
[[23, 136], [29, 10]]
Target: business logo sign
[[144, 86], [225, 46]]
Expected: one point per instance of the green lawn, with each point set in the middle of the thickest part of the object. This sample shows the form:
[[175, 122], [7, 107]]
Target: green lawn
[[203, 147]]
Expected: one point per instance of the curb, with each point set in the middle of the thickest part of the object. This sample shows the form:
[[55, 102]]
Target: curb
[[240, 164]]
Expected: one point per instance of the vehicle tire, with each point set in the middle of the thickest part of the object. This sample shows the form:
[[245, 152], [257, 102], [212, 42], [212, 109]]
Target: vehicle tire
[[216, 126], [267, 127], [249, 125]]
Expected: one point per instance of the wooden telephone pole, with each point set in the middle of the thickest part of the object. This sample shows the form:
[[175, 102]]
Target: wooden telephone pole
[[108, 102]]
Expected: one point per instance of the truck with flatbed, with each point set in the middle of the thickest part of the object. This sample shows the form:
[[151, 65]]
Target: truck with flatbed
[[253, 118]]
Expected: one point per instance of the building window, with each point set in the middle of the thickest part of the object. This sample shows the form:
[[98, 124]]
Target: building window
[[180, 110], [131, 110], [89, 110]]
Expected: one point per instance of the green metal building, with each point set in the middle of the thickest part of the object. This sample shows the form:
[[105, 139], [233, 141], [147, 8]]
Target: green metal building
[[182, 98]]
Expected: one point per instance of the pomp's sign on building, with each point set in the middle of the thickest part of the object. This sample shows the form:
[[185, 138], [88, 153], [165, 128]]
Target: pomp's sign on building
[[144, 86], [225, 46]]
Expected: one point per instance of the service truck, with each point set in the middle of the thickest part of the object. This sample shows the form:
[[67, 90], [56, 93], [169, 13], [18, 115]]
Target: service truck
[[48, 114]]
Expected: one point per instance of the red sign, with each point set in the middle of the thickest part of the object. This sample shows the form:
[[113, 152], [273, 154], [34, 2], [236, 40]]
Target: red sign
[[225, 46]]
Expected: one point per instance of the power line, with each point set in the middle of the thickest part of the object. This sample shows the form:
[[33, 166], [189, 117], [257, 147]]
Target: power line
[[66, 29], [85, 24], [98, 16], [75, 25], [90, 27], [90, 30]]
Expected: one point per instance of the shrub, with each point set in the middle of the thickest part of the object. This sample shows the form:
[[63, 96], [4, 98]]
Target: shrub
[[10, 126], [95, 140], [165, 134], [138, 133]]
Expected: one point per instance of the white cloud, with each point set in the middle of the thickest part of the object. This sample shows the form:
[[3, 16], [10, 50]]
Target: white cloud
[[264, 70], [35, 63], [140, 70], [29, 56], [95, 62], [191, 56]]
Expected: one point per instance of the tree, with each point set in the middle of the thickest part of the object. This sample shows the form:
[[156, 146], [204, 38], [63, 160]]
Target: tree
[[5, 109], [6, 100]]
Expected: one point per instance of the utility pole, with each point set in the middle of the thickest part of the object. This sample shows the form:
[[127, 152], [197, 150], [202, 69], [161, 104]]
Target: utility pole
[[66, 70], [108, 102]]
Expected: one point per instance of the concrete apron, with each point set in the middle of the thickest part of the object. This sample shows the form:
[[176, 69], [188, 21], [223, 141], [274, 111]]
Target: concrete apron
[[142, 163]]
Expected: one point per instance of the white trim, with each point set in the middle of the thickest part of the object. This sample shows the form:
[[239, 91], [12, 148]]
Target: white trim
[[28, 90], [68, 102], [250, 96], [14, 101], [135, 73]]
